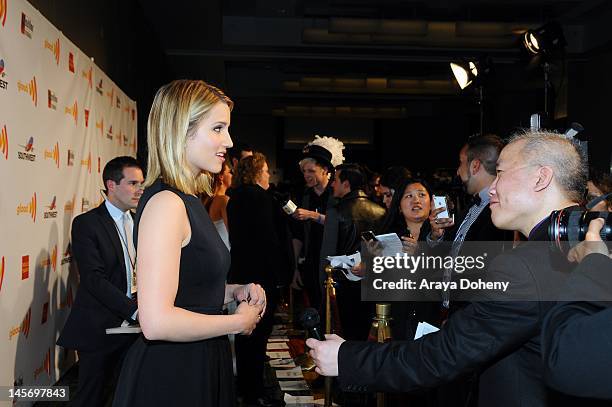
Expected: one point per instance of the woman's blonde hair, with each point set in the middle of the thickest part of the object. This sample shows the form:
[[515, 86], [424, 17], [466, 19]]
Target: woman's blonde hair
[[176, 113]]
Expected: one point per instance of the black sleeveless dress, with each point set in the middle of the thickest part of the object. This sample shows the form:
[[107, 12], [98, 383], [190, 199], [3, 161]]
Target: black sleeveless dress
[[160, 373]]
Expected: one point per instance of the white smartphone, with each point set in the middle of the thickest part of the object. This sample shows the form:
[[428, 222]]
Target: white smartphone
[[440, 202]]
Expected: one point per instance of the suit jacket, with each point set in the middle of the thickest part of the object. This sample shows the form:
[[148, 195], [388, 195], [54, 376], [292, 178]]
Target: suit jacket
[[259, 236], [501, 339], [100, 302], [577, 336]]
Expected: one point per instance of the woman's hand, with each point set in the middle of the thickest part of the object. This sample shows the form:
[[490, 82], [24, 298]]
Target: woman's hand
[[409, 245], [438, 225], [359, 269], [250, 314], [253, 293]]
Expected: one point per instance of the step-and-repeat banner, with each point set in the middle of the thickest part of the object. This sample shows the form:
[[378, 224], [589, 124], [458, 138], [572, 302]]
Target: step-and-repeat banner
[[61, 120]]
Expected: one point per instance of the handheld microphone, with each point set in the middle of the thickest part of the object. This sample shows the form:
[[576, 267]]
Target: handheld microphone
[[312, 322]]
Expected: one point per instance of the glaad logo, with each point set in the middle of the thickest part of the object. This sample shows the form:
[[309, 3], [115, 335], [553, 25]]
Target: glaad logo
[[73, 111], [4, 146], [53, 154], [51, 211], [52, 99], [69, 206], [29, 208], [28, 153], [84, 204], [26, 26], [45, 367], [3, 11], [88, 75], [50, 260], [111, 95], [100, 125], [87, 163], [3, 83], [30, 89], [24, 327], [54, 47]]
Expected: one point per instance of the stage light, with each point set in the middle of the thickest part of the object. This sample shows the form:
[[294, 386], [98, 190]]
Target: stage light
[[545, 40], [473, 72], [465, 73]]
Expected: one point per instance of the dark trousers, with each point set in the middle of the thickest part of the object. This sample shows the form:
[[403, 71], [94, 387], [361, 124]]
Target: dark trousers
[[251, 351], [355, 315], [98, 374]]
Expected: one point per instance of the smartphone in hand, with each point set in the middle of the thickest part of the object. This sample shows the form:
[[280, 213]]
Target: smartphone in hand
[[369, 236], [441, 202]]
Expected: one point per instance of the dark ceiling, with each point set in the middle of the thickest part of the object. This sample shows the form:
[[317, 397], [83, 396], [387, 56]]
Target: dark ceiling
[[285, 56]]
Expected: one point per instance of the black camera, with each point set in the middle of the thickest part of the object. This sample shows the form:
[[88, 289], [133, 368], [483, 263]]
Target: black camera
[[568, 227]]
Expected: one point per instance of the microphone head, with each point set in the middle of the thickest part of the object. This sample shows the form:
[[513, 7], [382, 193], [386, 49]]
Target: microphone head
[[310, 318]]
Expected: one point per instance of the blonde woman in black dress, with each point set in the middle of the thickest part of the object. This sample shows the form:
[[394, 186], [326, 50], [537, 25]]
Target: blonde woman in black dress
[[183, 356]]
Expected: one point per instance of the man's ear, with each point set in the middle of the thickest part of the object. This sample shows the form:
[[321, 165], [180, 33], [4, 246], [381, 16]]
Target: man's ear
[[544, 178], [474, 166], [110, 185]]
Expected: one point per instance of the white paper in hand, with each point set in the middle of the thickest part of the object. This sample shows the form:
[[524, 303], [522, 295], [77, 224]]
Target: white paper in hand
[[391, 244], [423, 328]]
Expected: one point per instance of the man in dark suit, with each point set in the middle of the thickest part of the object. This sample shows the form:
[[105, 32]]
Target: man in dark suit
[[537, 172], [354, 213], [477, 160], [104, 251], [577, 333]]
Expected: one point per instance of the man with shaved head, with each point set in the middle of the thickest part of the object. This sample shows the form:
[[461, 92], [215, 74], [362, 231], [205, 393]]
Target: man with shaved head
[[537, 172]]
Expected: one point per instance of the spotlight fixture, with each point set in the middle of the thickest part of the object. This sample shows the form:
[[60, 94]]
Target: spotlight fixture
[[473, 72], [465, 73], [545, 40]]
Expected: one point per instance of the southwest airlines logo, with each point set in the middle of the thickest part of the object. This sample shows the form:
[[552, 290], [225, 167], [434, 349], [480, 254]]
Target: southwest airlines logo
[[3, 11], [54, 47], [88, 75], [28, 153], [26, 26], [30, 89], [28, 208], [73, 111], [87, 163], [4, 146], [53, 154], [67, 257], [3, 83], [51, 211], [86, 111]]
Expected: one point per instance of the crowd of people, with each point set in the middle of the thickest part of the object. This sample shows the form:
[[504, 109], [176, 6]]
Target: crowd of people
[[210, 229]]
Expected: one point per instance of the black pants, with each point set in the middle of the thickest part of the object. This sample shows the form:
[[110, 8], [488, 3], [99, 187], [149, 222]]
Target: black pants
[[251, 351], [98, 374]]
